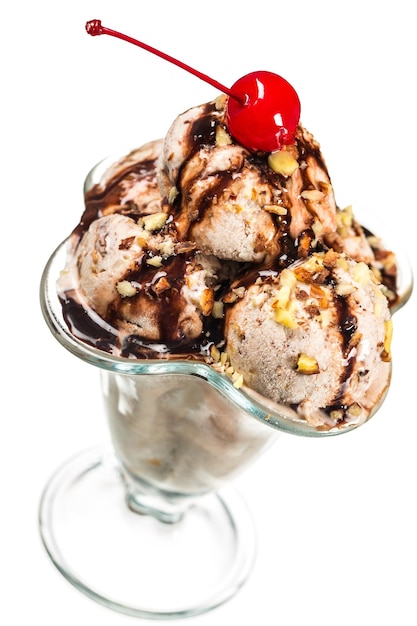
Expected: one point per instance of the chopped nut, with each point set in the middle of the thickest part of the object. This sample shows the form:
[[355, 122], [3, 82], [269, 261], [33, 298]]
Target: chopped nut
[[230, 297], [287, 277], [307, 364], [155, 221], [361, 273], [161, 285], [386, 354], [377, 276], [330, 258], [222, 365], [317, 291], [321, 294], [312, 271], [238, 381], [325, 317], [345, 217], [317, 228], [239, 291], [304, 243], [220, 102], [282, 162], [355, 410], [215, 353], [224, 358], [282, 298], [217, 311], [234, 294], [355, 339], [126, 289], [257, 299], [336, 415], [173, 193], [312, 265], [344, 289], [342, 263], [275, 208], [312, 194], [206, 301], [222, 137], [141, 241], [155, 261], [166, 248], [285, 318]]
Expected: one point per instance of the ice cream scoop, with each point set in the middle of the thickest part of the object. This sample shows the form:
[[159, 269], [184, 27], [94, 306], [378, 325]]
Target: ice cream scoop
[[237, 204], [138, 285], [316, 336]]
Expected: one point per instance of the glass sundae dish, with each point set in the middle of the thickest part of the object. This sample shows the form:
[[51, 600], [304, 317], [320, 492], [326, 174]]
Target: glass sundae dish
[[225, 298]]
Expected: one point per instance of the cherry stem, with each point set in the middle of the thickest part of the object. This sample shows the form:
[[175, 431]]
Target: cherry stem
[[94, 27]]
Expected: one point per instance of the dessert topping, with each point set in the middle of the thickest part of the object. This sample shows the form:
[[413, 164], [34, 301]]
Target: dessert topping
[[263, 109]]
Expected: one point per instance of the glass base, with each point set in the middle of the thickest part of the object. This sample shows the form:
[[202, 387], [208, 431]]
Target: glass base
[[134, 563]]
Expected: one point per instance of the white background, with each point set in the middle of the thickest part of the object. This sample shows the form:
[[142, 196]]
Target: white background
[[336, 518]]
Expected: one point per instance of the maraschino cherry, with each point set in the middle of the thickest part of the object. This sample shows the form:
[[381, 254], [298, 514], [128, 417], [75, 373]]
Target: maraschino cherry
[[263, 109]]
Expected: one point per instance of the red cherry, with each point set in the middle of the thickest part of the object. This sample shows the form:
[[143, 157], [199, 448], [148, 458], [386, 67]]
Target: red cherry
[[263, 109], [267, 120]]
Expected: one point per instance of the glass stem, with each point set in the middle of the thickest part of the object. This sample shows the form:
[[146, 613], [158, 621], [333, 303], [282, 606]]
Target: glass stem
[[165, 507]]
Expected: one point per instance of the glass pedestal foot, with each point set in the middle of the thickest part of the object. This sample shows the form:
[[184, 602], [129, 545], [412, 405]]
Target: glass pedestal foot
[[134, 563]]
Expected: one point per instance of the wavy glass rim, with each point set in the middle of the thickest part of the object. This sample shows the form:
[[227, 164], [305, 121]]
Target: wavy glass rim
[[276, 416]]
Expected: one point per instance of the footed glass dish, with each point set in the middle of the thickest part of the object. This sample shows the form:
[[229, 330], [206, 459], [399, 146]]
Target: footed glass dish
[[152, 527]]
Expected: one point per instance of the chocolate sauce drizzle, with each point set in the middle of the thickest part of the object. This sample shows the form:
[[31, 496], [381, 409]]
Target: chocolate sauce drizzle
[[98, 198]]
